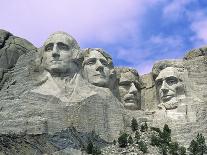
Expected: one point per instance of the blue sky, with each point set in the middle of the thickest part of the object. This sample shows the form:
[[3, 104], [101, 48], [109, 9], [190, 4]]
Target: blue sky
[[135, 32]]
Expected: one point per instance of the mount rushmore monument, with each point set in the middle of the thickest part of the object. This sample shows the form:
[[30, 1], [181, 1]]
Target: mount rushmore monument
[[59, 86]]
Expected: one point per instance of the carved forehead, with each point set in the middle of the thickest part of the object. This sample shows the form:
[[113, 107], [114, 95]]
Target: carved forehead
[[168, 72], [96, 52], [62, 37], [126, 71], [128, 76]]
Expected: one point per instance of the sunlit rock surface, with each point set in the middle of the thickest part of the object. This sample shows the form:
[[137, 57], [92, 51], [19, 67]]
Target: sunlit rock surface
[[60, 96]]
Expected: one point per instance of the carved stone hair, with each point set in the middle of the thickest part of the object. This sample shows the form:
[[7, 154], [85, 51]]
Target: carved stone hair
[[120, 70], [87, 51]]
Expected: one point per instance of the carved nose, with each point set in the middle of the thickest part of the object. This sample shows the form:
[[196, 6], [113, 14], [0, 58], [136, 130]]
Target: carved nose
[[164, 88], [132, 89], [55, 51]]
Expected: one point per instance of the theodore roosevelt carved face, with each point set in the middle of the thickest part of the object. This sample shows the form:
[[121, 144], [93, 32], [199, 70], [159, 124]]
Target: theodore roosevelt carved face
[[129, 88]]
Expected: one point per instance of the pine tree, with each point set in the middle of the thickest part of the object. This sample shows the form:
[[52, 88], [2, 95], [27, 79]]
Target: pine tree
[[130, 140], [114, 142], [201, 143], [173, 148], [137, 136], [142, 146], [182, 150], [134, 124], [193, 148], [166, 134], [198, 146], [122, 140], [89, 148]]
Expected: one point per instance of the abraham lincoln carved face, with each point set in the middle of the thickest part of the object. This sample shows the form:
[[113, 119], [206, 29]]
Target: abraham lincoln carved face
[[170, 87]]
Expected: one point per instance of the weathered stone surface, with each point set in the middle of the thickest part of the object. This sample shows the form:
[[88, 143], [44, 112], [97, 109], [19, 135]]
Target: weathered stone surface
[[11, 48], [148, 92], [196, 53], [48, 93]]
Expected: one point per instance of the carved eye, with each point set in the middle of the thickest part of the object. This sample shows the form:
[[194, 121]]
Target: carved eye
[[49, 47], [104, 62], [63, 46], [91, 62], [159, 83], [171, 81], [125, 83]]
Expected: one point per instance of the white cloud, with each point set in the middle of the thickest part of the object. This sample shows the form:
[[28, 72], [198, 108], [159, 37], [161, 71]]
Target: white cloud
[[175, 9], [105, 21], [199, 27]]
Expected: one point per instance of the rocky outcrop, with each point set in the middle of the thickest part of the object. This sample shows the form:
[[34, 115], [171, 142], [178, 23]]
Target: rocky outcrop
[[53, 98]]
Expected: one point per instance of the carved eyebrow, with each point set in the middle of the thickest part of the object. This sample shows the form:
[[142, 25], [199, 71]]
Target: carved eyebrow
[[88, 60], [158, 81], [49, 45], [171, 77]]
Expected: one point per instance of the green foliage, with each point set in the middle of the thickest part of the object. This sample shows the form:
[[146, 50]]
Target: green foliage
[[163, 149], [201, 143], [198, 146], [137, 136], [144, 127], [193, 147], [130, 140], [89, 148], [122, 140], [166, 134], [134, 124], [182, 150], [96, 151], [114, 142], [174, 148], [155, 140], [156, 130], [162, 139], [142, 146]]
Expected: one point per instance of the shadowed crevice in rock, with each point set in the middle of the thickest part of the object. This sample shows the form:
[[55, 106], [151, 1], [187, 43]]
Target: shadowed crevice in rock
[[69, 140]]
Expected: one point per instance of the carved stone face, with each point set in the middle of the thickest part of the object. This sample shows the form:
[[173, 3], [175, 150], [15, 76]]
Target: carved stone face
[[96, 69], [59, 53], [169, 85], [129, 92]]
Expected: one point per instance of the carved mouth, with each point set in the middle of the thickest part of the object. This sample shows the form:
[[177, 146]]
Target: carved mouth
[[130, 99], [166, 97], [100, 75]]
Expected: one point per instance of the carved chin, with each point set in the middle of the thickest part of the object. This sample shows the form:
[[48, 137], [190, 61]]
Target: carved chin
[[130, 106], [100, 82], [167, 98]]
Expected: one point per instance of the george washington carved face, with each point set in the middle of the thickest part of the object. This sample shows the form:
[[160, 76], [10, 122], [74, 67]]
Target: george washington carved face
[[60, 53]]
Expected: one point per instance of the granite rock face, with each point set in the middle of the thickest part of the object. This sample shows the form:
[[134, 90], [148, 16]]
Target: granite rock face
[[59, 95]]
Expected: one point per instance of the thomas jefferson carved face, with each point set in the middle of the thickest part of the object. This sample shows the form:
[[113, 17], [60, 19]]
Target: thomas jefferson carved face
[[129, 90], [60, 51], [169, 86], [96, 68]]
